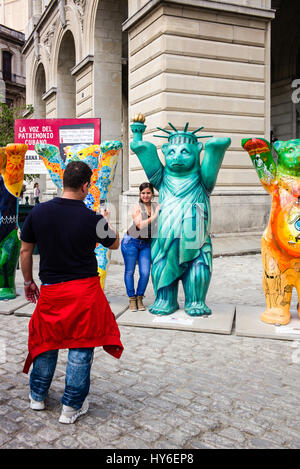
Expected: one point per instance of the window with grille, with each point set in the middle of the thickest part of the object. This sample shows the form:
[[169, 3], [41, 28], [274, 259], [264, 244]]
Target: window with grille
[[6, 65]]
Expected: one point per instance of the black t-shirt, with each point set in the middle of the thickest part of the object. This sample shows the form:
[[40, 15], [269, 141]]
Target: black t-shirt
[[66, 233]]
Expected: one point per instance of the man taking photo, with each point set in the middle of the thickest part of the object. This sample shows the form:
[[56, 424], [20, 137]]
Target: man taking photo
[[72, 311]]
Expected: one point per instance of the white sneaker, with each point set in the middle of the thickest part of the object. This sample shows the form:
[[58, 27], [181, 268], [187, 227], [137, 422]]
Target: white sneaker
[[70, 415], [36, 405]]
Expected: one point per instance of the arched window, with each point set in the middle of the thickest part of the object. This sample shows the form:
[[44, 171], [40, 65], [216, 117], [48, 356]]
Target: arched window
[[66, 84], [6, 65], [39, 90]]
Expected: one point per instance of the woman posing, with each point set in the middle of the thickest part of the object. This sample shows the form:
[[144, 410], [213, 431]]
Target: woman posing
[[36, 193], [136, 245]]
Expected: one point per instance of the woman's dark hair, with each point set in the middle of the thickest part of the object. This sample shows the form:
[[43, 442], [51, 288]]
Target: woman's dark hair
[[76, 174], [146, 185]]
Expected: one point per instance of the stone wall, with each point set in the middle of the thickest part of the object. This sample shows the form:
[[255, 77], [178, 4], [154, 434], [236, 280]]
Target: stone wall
[[209, 68], [15, 14], [12, 89], [193, 65], [203, 62]]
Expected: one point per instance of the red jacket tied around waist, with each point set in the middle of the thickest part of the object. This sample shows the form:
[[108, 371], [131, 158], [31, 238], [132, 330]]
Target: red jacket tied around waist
[[72, 314]]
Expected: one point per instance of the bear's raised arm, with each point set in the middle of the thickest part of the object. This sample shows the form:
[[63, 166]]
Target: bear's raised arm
[[215, 150], [260, 153], [149, 159]]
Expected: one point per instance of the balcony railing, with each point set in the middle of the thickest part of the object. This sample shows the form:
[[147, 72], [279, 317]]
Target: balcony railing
[[12, 78]]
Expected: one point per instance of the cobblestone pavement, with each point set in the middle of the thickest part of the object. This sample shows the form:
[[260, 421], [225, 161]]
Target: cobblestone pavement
[[170, 389]]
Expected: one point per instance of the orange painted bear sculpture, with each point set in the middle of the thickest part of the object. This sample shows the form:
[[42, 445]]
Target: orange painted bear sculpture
[[280, 245]]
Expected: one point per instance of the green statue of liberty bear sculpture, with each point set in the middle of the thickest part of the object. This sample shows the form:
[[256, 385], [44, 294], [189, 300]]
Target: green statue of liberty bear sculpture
[[182, 247]]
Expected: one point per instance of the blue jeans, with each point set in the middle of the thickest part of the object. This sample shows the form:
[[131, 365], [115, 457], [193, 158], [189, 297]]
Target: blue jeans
[[77, 375], [134, 250]]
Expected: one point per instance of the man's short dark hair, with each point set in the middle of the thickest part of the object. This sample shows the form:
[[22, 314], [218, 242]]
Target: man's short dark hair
[[76, 174]]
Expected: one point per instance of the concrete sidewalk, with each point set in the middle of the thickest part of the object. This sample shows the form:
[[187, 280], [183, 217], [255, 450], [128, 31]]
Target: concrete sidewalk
[[235, 244], [223, 246], [171, 388]]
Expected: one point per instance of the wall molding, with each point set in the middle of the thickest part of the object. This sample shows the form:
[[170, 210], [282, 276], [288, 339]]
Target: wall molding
[[263, 13]]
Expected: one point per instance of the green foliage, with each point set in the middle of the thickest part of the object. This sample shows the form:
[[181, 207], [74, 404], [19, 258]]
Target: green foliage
[[8, 115], [7, 122], [7, 119], [31, 177]]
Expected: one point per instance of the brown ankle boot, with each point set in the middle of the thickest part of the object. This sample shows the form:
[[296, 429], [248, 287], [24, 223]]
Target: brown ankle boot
[[140, 306], [132, 304]]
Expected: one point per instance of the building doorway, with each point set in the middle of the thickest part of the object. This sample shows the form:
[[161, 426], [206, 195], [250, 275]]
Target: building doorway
[[285, 71]]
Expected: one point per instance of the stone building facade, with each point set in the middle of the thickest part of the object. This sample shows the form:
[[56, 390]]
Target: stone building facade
[[12, 68], [207, 62], [15, 14], [13, 23]]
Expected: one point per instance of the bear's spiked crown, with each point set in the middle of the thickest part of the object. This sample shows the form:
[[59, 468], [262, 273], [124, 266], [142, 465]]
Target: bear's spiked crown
[[181, 136]]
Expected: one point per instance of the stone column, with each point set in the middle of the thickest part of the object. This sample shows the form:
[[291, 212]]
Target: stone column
[[108, 68], [34, 14], [108, 81], [36, 7]]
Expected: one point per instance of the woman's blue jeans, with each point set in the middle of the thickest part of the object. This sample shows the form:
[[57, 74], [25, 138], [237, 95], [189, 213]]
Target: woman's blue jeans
[[78, 372], [135, 250]]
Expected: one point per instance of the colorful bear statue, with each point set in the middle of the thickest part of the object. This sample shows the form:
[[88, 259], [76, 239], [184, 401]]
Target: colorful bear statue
[[182, 249], [280, 245], [102, 159], [12, 161]]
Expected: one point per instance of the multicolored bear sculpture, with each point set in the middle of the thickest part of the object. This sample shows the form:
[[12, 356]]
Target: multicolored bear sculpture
[[12, 160], [182, 249], [102, 159], [280, 244]]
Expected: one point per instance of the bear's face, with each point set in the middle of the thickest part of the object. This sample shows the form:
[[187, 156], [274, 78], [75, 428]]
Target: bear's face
[[182, 158], [15, 164], [288, 156]]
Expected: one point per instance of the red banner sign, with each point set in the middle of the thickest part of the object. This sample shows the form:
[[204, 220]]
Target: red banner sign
[[58, 132]]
